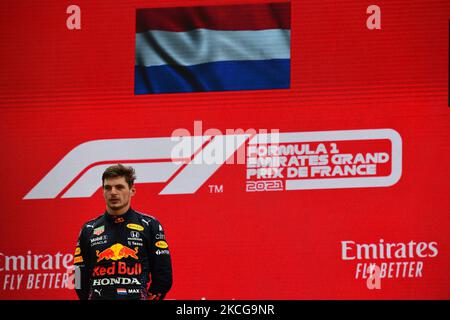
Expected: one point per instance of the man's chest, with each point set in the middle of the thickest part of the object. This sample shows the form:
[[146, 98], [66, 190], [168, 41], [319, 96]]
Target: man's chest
[[109, 242]]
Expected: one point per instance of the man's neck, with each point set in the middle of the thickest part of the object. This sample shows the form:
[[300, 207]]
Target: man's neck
[[117, 212]]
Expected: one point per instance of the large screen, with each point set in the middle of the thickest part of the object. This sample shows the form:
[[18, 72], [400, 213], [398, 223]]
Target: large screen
[[291, 150]]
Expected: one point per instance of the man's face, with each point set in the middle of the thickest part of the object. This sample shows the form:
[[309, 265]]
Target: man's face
[[117, 193]]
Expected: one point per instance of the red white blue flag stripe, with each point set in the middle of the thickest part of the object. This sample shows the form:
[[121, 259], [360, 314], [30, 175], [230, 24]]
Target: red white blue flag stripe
[[238, 47]]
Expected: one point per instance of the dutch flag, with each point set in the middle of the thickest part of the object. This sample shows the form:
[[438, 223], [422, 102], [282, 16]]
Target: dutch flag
[[213, 48], [121, 291]]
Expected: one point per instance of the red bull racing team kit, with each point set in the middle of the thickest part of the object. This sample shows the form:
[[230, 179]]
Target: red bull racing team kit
[[122, 257]]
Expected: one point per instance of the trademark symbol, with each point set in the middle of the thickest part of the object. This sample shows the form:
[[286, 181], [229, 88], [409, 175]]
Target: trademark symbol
[[214, 188]]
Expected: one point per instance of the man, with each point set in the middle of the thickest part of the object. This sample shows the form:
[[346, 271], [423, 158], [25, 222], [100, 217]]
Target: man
[[122, 254]]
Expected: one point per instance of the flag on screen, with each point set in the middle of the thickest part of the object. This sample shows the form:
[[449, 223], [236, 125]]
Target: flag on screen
[[213, 48]]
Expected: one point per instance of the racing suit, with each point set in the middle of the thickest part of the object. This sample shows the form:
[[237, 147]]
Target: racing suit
[[122, 257]]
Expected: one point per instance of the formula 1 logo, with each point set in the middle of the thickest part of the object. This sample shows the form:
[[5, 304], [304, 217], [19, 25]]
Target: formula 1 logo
[[186, 163]]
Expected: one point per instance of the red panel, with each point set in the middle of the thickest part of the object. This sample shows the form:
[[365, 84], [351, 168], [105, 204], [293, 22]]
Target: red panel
[[232, 17], [60, 88]]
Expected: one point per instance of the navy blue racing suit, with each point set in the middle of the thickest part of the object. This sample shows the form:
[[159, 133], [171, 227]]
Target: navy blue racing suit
[[122, 257]]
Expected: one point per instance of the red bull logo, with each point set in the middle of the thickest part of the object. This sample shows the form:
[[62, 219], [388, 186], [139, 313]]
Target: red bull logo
[[121, 268], [116, 252]]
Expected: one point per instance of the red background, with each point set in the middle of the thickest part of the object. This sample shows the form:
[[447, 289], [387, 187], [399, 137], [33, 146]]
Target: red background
[[60, 88]]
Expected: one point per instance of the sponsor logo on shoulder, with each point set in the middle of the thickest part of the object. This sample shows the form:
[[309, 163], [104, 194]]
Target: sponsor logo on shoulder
[[98, 231]]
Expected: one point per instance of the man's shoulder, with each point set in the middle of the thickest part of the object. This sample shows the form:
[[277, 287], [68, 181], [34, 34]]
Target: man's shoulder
[[144, 217], [93, 223]]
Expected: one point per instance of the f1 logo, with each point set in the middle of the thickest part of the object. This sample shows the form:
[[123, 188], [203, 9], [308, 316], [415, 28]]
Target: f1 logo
[[77, 175]]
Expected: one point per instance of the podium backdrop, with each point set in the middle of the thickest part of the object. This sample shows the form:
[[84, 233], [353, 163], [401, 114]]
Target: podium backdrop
[[301, 185]]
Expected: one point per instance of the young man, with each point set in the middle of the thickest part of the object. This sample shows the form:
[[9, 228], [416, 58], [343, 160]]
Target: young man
[[122, 254]]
